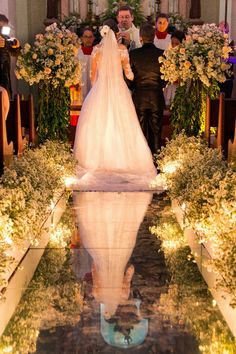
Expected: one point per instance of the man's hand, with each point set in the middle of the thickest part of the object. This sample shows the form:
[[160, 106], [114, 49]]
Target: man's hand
[[2, 42], [126, 36]]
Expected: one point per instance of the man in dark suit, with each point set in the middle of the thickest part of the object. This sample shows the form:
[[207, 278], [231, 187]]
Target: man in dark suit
[[148, 86]]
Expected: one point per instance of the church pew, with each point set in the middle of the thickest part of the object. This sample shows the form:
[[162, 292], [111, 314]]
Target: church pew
[[28, 118], [21, 123], [6, 149], [221, 114]]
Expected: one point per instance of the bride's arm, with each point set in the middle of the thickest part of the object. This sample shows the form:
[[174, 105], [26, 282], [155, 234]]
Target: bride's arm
[[126, 64], [94, 65]]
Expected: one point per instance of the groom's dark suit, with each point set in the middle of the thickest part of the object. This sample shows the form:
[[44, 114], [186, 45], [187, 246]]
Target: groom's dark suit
[[147, 93]]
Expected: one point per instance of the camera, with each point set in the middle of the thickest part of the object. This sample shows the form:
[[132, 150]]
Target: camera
[[5, 31], [11, 41]]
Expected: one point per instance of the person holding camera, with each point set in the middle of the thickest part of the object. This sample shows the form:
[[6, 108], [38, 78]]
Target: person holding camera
[[8, 46]]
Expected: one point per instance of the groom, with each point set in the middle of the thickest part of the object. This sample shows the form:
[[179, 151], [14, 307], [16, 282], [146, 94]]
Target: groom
[[148, 86]]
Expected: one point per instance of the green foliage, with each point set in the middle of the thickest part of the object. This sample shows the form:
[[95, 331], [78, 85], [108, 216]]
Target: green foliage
[[73, 20], [135, 6], [188, 109], [53, 118], [177, 22]]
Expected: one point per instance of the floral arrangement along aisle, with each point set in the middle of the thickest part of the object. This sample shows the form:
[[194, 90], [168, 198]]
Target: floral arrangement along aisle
[[188, 293], [198, 64], [205, 188], [52, 63], [27, 189]]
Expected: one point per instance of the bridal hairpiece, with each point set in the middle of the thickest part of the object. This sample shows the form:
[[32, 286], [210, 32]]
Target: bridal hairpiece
[[105, 29]]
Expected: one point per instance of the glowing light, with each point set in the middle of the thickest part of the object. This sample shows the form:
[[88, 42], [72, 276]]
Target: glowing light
[[52, 204], [69, 181], [8, 240], [171, 167], [171, 244]]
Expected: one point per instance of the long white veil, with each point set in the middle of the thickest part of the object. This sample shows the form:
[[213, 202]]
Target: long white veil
[[110, 147], [110, 65]]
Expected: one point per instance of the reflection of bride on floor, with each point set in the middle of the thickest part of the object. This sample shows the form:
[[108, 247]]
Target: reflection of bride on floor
[[108, 224], [110, 147]]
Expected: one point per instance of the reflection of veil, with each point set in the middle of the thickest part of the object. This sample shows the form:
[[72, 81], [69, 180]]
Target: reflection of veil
[[108, 225]]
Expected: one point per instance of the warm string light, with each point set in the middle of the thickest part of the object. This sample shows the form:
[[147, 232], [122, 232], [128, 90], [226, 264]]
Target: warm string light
[[69, 181]]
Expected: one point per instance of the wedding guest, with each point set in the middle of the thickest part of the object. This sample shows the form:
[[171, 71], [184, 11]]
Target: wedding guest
[[177, 37], [129, 34], [162, 37], [8, 47], [148, 87]]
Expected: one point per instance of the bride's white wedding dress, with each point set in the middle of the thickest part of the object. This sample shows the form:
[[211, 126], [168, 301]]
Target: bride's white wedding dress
[[110, 147]]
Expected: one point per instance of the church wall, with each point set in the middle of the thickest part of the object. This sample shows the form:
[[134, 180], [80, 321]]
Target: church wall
[[210, 11], [30, 15]]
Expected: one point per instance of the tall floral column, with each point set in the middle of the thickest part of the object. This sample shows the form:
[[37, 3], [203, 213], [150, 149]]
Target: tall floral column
[[198, 65], [52, 64]]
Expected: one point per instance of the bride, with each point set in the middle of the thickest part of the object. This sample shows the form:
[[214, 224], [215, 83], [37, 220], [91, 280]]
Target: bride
[[110, 147]]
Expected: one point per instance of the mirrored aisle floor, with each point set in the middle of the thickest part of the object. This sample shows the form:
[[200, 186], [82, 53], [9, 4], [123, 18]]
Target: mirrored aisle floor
[[106, 284]]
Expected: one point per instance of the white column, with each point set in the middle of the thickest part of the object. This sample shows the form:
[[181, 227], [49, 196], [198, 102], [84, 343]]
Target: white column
[[146, 7], [65, 8], [83, 8], [165, 6], [183, 8], [102, 5], [4, 7], [233, 22]]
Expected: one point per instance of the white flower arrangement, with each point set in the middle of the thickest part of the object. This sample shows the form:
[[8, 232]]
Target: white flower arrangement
[[206, 186], [53, 57], [202, 56], [26, 190]]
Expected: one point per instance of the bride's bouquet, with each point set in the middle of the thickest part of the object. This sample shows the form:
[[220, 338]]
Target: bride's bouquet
[[52, 58], [202, 56]]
